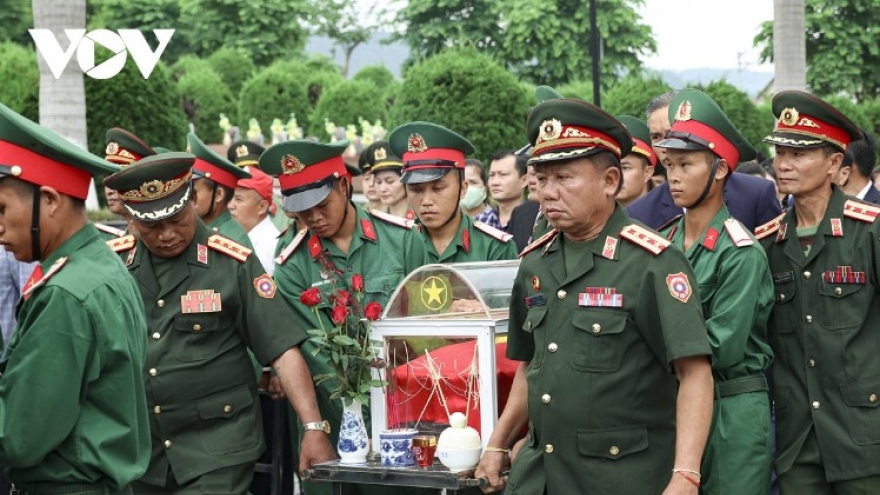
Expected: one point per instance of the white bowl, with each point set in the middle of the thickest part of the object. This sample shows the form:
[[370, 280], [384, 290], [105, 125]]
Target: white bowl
[[459, 459]]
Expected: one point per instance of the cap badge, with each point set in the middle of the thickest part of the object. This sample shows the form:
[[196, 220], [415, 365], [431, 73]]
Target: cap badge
[[291, 165], [789, 116], [550, 130], [152, 189], [416, 144], [380, 154], [112, 148], [684, 111], [189, 148], [241, 151]]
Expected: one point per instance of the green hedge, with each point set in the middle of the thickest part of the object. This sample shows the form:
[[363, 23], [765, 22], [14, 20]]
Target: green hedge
[[20, 89], [346, 104], [233, 66], [274, 93], [376, 74], [204, 97], [631, 95]]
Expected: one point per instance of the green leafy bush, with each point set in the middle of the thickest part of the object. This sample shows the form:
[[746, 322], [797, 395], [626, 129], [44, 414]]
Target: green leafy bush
[[631, 95], [751, 122], [274, 93], [233, 66], [346, 104], [377, 74], [204, 97], [20, 90]]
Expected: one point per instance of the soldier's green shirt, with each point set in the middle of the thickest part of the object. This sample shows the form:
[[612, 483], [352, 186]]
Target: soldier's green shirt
[[600, 324], [109, 232], [736, 292], [205, 309], [228, 227], [472, 244], [824, 334], [72, 406]]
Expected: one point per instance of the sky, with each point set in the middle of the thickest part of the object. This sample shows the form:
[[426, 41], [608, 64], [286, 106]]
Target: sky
[[706, 33]]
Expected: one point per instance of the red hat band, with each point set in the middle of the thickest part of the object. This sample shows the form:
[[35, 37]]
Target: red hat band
[[645, 150], [717, 142], [43, 171], [215, 173], [438, 154], [562, 137], [313, 173], [792, 121]]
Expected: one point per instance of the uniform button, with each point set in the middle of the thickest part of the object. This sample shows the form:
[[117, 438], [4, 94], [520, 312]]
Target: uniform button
[[160, 303], [157, 409], [227, 408], [838, 291], [816, 404], [614, 450], [167, 444], [807, 274], [812, 363], [561, 294], [154, 372], [809, 319], [548, 448], [156, 335], [215, 229], [197, 328], [552, 347], [545, 398], [529, 324], [597, 328], [872, 398], [782, 297]]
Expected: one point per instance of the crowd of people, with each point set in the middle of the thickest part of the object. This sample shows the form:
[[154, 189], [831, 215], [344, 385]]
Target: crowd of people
[[675, 289]]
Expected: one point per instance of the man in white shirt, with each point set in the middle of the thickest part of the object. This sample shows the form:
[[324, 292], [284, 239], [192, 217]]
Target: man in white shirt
[[251, 206]]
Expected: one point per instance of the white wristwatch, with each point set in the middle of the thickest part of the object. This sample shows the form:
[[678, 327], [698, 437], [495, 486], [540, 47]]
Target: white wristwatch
[[318, 426]]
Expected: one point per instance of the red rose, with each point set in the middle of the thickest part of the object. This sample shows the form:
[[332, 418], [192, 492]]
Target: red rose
[[343, 298], [357, 283], [340, 313], [310, 297], [373, 311]]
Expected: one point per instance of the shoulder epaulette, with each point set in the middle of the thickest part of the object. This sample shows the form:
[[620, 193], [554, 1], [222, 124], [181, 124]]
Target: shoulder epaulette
[[544, 239], [392, 219], [769, 228], [110, 230], [35, 284], [122, 244], [493, 232], [645, 239], [290, 248], [865, 212], [229, 247], [738, 234]]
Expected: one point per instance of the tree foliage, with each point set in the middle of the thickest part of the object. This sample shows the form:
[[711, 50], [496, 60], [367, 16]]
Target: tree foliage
[[346, 104], [543, 41], [742, 112], [149, 108], [274, 93], [20, 90], [349, 23], [204, 97], [376, 74], [631, 95], [16, 17], [233, 66], [144, 16], [843, 55], [469, 93]]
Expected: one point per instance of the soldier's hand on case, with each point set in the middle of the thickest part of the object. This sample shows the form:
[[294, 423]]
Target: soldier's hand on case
[[316, 448]]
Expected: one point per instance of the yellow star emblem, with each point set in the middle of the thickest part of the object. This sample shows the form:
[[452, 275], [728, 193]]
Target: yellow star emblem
[[434, 296]]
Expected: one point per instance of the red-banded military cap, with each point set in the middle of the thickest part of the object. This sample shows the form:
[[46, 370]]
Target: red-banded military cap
[[35, 154], [429, 151], [804, 121], [562, 129], [306, 171], [698, 123], [156, 187], [210, 165], [641, 137], [123, 147]]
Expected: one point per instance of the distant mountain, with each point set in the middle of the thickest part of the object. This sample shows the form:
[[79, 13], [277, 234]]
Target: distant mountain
[[393, 55]]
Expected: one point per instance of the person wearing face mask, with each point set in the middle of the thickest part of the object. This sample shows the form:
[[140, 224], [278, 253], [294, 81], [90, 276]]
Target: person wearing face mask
[[474, 201]]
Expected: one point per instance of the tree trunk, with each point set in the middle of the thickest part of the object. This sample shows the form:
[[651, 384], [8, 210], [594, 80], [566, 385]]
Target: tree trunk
[[789, 44]]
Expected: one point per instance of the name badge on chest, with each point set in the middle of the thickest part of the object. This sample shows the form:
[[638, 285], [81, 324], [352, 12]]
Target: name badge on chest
[[602, 297], [201, 301], [536, 300]]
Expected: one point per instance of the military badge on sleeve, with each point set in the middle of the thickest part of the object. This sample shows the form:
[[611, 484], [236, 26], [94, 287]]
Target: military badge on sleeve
[[265, 286], [678, 286]]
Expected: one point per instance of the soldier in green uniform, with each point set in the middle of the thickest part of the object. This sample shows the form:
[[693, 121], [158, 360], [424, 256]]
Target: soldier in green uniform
[[602, 313], [824, 256], [214, 182], [429, 153], [123, 148], [73, 417], [735, 288], [208, 300], [340, 240]]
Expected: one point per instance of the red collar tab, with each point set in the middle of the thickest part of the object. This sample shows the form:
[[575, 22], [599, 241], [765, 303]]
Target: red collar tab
[[315, 246], [711, 239], [369, 231], [466, 240]]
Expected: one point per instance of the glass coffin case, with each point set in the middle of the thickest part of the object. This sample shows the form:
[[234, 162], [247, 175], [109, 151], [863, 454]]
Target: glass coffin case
[[443, 340]]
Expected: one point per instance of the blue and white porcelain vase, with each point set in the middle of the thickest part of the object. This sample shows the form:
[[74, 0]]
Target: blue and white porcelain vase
[[352, 445]]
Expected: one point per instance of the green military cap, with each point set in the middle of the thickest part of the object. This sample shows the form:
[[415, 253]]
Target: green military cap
[[210, 165], [363, 165], [544, 93], [380, 157], [561, 129], [155, 187], [35, 154], [641, 137], [306, 171], [429, 151], [123, 147], [161, 149], [245, 153], [804, 121], [698, 123]]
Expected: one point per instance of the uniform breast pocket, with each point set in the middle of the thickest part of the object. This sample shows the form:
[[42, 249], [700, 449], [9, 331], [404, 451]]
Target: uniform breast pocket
[[785, 317], [228, 421], [197, 336], [841, 305], [862, 399], [380, 286], [598, 340]]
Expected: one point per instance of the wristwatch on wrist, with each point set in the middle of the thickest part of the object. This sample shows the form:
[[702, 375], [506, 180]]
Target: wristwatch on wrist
[[318, 426]]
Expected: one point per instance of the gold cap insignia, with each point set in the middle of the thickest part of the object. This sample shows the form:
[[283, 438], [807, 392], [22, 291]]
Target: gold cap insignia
[[189, 148], [416, 144], [112, 148], [684, 111], [152, 189], [241, 151], [550, 130], [291, 165], [789, 116], [379, 154]]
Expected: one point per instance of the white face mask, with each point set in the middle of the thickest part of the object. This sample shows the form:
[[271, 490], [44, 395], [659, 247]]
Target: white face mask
[[473, 197]]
